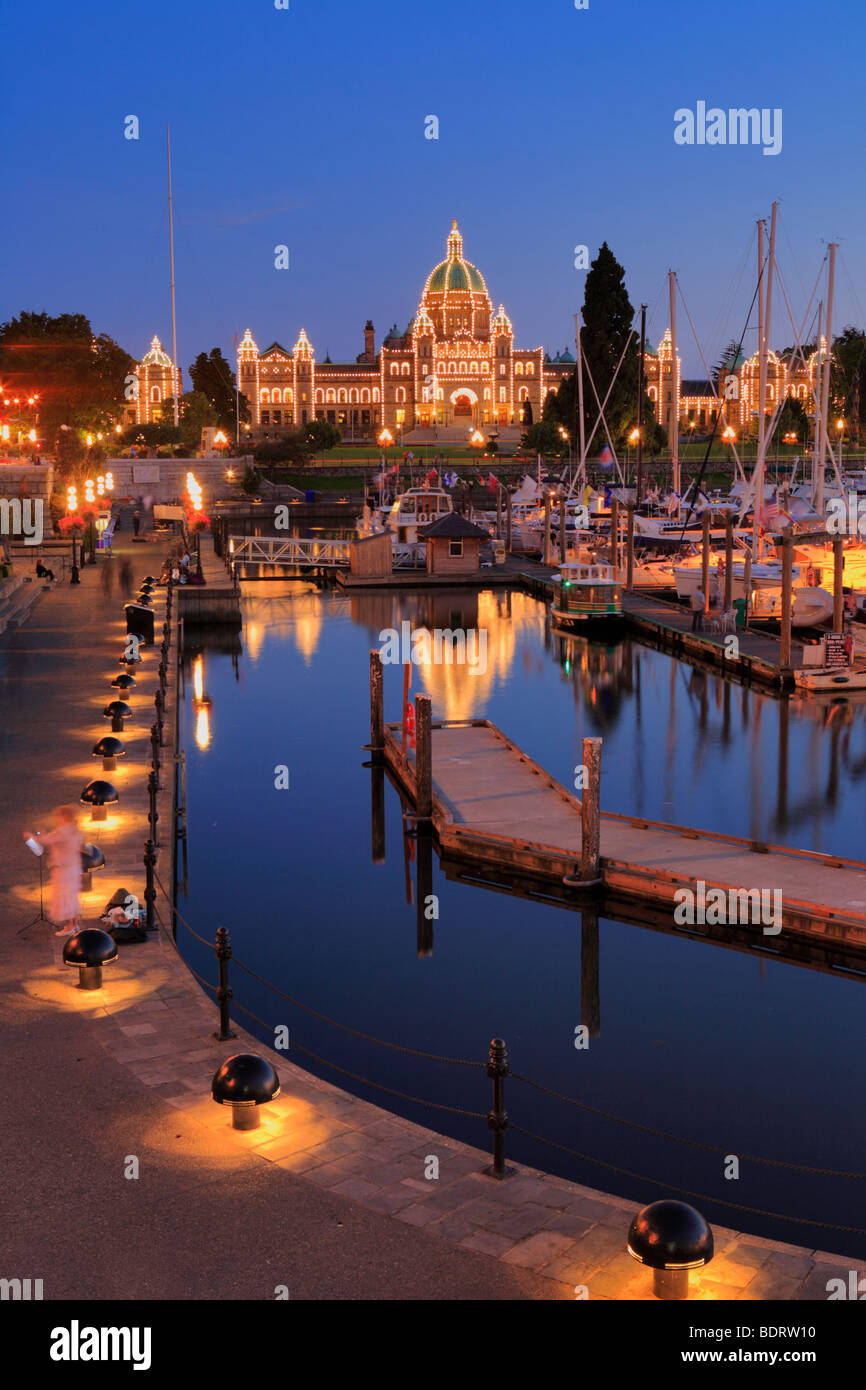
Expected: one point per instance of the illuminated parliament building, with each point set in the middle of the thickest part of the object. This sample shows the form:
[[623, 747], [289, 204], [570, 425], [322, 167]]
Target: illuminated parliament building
[[455, 369]]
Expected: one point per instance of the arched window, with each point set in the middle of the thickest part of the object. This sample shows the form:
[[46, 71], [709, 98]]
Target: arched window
[[276, 396], [375, 395], [485, 367], [518, 369], [473, 367], [502, 393], [523, 393], [365, 396], [288, 395], [353, 395], [452, 368], [341, 395], [530, 369], [404, 369], [266, 396], [155, 393], [502, 369], [320, 396], [331, 396], [394, 369], [400, 396], [487, 393], [652, 393]]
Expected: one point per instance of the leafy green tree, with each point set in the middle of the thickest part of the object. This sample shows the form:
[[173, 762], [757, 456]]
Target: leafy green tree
[[251, 481], [196, 413], [213, 377], [848, 378], [78, 377], [292, 448], [793, 418], [543, 438], [322, 435]]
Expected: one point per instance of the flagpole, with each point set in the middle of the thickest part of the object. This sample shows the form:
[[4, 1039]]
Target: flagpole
[[171, 262], [581, 426], [237, 394]]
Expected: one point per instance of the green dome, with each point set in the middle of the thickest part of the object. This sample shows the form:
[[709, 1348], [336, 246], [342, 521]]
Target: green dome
[[456, 275]]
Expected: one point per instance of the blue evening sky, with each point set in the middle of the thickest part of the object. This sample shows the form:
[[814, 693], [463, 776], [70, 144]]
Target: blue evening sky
[[305, 127]]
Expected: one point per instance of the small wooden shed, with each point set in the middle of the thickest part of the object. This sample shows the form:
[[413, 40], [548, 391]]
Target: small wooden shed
[[453, 544]]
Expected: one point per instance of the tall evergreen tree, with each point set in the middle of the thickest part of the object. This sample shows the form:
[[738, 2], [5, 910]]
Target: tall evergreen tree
[[607, 321], [213, 377]]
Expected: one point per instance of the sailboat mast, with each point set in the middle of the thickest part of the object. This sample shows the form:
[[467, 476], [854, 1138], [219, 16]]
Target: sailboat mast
[[825, 382], [171, 263], [580, 421], [816, 441], [765, 301], [640, 396], [675, 404]]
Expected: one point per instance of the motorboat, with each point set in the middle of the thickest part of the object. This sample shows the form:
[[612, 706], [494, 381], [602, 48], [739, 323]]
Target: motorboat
[[415, 508], [585, 591]]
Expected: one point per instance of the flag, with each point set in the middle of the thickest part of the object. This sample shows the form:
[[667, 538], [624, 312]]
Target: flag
[[587, 493], [673, 502], [607, 496], [769, 513]]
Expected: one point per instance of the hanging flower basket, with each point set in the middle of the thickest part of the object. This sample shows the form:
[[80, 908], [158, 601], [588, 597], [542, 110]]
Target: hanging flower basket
[[197, 522], [71, 525]]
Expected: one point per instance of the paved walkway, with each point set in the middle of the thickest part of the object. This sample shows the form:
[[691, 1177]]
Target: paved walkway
[[125, 1178]]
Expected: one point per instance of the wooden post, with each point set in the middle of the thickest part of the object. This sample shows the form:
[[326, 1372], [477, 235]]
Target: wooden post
[[508, 523], [705, 559], [629, 547], [424, 918], [729, 561], [562, 545], [546, 556], [838, 571], [423, 758], [377, 813], [590, 1001], [787, 570], [407, 673], [377, 704], [498, 511], [614, 536], [590, 811]]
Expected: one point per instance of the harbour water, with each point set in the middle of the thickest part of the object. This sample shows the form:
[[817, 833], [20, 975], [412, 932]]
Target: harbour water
[[731, 1049]]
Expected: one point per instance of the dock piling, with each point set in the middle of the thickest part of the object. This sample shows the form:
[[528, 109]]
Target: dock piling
[[787, 571], [377, 705], [497, 1120], [705, 559], [547, 528], [629, 546], [590, 818], [729, 560], [423, 758], [838, 571], [562, 543]]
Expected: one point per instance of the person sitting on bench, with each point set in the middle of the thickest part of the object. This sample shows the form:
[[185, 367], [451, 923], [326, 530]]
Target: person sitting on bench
[[43, 573]]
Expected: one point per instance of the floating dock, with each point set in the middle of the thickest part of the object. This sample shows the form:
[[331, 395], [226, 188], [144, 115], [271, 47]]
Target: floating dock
[[494, 807]]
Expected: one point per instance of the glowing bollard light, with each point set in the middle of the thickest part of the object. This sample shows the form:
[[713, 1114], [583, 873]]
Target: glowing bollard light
[[109, 750], [245, 1082], [91, 858], [670, 1238], [124, 684], [130, 658], [88, 950], [99, 795], [117, 711]]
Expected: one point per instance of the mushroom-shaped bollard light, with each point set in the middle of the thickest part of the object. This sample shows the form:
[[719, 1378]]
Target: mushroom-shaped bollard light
[[91, 858], [117, 711], [124, 684], [146, 591], [670, 1238], [149, 579], [245, 1082], [90, 949], [130, 659], [109, 749], [98, 795]]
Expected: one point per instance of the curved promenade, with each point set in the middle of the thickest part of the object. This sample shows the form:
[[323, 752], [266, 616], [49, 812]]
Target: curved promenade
[[125, 1179]]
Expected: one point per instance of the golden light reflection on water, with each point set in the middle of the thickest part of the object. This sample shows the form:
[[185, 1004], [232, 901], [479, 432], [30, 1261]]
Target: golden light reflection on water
[[459, 692], [202, 727]]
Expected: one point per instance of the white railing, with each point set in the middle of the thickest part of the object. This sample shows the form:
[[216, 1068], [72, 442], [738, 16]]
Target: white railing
[[289, 551]]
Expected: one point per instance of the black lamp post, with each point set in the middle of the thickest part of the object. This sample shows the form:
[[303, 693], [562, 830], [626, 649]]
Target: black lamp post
[[117, 711], [89, 950], [99, 795], [245, 1082], [109, 750], [670, 1238], [74, 577]]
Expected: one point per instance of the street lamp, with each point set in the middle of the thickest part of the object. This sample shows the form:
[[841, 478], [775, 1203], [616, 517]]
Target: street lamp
[[840, 425]]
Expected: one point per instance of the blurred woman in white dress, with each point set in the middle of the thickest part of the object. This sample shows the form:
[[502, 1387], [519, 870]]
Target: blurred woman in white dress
[[64, 845]]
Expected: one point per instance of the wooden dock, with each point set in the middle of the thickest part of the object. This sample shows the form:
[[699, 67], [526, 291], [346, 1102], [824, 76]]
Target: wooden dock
[[218, 600], [493, 806]]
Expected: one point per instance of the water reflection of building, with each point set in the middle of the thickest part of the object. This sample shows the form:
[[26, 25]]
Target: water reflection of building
[[297, 613]]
